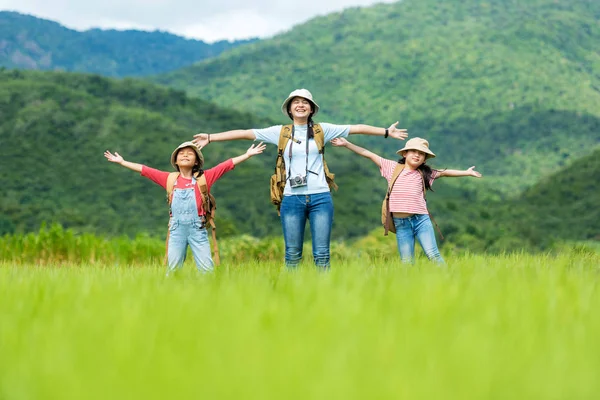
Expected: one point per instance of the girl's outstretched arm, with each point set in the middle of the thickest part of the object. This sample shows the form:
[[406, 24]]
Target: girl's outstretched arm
[[455, 173], [392, 131], [341, 142], [252, 151], [117, 159], [203, 139]]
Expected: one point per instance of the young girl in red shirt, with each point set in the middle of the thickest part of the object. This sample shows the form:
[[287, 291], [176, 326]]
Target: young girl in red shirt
[[187, 222]]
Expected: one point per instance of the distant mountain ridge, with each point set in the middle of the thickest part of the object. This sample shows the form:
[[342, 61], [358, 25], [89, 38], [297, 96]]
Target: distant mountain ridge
[[28, 42]]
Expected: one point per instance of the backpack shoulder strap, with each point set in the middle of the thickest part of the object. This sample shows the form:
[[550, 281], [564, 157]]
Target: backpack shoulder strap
[[284, 136], [209, 207], [423, 180], [203, 186], [397, 171], [319, 138], [171, 179]]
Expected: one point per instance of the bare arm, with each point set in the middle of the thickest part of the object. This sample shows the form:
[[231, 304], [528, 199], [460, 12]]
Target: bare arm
[[341, 142], [393, 132], [117, 159], [252, 151], [203, 139], [452, 173]]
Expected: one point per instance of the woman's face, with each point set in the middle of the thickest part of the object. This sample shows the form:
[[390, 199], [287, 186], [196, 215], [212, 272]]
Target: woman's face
[[300, 108], [186, 158], [414, 158]]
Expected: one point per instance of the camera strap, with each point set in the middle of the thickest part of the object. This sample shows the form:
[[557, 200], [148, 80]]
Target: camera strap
[[290, 153]]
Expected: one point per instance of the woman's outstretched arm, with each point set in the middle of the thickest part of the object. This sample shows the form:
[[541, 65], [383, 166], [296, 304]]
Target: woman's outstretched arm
[[392, 131], [203, 139]]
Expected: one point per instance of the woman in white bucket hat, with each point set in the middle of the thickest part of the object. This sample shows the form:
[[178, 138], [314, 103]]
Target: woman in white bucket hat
[[408, 180], [306, 195]]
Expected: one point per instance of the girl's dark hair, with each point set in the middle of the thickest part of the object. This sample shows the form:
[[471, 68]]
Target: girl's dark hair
[[197, 170], [425, 169]]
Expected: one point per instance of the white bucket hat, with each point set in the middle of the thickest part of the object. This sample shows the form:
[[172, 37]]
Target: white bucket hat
[[199, 155], [417, 143], [299, 93]]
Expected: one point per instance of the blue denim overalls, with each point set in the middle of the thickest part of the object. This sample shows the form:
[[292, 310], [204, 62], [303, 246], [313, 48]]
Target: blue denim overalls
[[186, 227]]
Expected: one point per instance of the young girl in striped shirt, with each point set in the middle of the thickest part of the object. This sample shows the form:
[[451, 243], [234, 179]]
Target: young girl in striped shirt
[[407, 198]]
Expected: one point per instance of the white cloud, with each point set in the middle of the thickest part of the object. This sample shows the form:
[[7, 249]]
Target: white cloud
[[209, 20]]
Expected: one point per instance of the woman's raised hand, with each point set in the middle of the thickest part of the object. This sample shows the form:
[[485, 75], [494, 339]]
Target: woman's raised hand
[[116, 158], [397, 133], [201, 140]]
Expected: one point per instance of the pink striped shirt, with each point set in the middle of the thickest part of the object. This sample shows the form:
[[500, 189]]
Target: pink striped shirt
[[407, 193]]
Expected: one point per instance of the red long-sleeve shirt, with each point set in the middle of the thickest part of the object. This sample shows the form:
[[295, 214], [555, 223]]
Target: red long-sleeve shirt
[[212, 175]]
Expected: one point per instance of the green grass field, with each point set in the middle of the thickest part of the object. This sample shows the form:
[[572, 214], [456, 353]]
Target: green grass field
[[484, 327]]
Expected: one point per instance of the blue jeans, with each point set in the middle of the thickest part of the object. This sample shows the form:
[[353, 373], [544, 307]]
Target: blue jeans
[[419, 226], [295, 210], [182, 233]]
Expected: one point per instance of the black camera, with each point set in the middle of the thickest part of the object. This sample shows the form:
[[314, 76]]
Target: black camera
[[297, 181]]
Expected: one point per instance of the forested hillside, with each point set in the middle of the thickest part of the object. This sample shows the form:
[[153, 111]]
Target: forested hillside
[[54, 128], [510, 86], [33, 43]]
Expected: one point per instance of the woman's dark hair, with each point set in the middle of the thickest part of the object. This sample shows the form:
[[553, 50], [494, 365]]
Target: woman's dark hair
[[425, 169], [309, 132]]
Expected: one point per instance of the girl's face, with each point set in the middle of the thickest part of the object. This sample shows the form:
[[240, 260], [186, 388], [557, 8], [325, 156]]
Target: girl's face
[[414, 158], [186, 158], [300, 108]]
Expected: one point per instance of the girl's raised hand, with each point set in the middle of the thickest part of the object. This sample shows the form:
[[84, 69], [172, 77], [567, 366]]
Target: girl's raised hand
[[256, 149], [339, 142], [474, 173], [397, 133], [201, 140], [116, 158]]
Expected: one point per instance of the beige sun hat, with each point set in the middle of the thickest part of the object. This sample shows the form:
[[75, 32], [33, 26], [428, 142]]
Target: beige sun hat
[[417, 143], [299, 93], [183, 145]]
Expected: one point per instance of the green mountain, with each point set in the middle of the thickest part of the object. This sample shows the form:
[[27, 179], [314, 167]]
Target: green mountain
[[54, 128], [63, 122], [563, 207], [510, 86], [32, 43]]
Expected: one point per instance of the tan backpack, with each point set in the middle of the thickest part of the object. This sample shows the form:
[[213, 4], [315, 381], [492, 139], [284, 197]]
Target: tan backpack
[[386, 216], [278, 179], [209, 206]]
